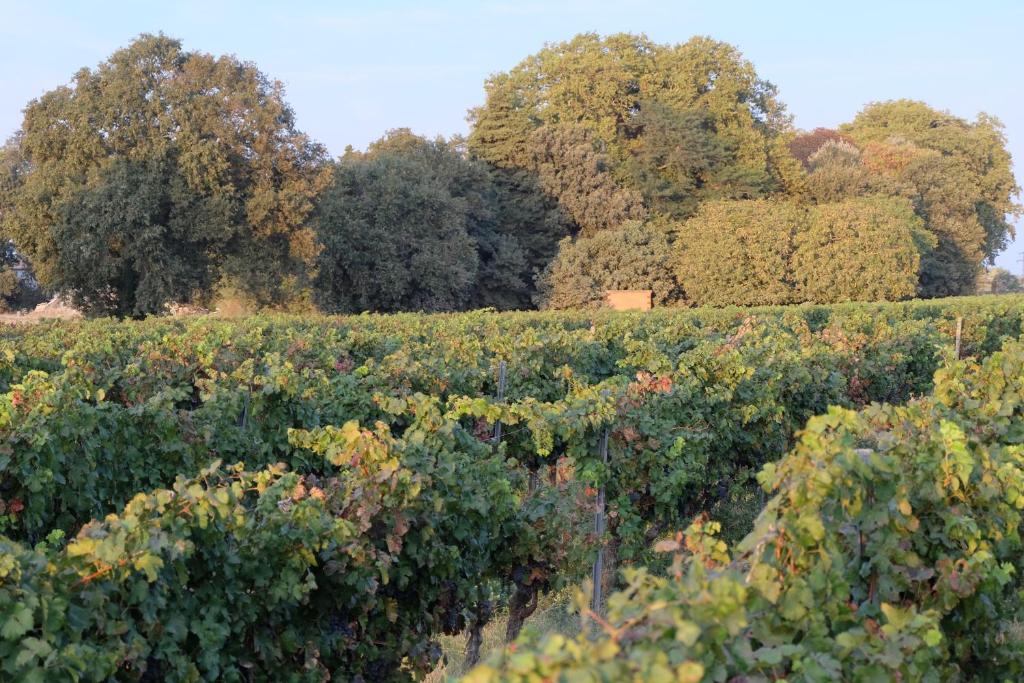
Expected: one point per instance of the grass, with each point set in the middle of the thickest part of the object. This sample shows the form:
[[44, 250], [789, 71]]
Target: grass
[[553, 615]]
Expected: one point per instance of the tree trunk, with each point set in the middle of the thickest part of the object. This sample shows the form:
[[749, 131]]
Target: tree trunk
[[520, 607], [610, 563], [481, 616], [473, 644]]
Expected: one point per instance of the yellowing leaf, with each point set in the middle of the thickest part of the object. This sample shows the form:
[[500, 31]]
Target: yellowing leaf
[[690, 672], [150, 564]]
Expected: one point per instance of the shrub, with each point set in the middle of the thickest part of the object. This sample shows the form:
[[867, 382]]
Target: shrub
[[866, 249], [738, 252], [635, 256]]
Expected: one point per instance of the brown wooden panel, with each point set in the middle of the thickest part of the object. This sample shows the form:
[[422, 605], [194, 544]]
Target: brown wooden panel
[[629, 299]]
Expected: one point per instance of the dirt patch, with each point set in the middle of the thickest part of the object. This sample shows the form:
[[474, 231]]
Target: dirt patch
[[55, 309]]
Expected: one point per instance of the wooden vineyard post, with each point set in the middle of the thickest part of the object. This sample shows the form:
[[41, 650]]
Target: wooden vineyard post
[[959, 332], [501, 399], [595, 600]]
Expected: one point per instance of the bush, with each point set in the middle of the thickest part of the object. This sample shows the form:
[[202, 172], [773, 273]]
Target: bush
[[635, 256], [866, 249], [738, 253]]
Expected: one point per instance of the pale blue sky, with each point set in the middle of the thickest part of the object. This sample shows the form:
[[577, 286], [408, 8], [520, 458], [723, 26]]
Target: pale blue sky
[[355, 69]]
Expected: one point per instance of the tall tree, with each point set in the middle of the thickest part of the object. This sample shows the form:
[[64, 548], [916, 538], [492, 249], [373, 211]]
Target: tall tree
[[618, 87], [161, 172], [678, 160], [572, 168], [396, 228], [957, 173], [513, 223], [137, 239]]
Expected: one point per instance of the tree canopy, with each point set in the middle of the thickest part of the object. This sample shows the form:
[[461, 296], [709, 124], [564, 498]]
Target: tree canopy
[[164, 175], [572, 168], [415, 224], [161, 172], [738, 253], [957, 173], [868, 248], [675, 124], [395, 229], [761, 252]]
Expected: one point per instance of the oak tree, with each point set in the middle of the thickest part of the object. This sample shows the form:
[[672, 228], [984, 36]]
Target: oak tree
[[160, 173]]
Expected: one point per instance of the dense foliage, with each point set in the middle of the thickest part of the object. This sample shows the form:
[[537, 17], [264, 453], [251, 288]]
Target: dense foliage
[[159, 173], [367, 443], [396, 228], [164, 176], [739, 253], [868, 248], [572, 168], [675, 121], [762, 252], [890, 551], [957, 174], [635, 256], [414, 224]]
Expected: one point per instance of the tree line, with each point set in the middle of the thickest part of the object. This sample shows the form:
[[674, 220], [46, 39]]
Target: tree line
[[165, 175]]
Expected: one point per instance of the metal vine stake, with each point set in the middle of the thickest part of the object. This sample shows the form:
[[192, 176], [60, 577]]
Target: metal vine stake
[[599, 524], [501, 399], [959, 332]]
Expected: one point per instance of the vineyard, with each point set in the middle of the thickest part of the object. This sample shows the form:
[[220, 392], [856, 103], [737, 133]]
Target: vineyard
[[808, 493]]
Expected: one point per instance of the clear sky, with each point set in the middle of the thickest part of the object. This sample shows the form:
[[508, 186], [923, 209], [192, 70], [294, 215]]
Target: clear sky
[[355, 69]]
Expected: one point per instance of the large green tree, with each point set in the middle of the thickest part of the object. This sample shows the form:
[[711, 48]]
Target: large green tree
[[957, 173], [417, 224], [761, 252], [396, 229], [161, 172], [572, 168], [679, 123], [503, 276], [139, 238]]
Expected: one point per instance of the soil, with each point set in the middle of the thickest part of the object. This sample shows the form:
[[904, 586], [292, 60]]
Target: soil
[[56, 308]]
